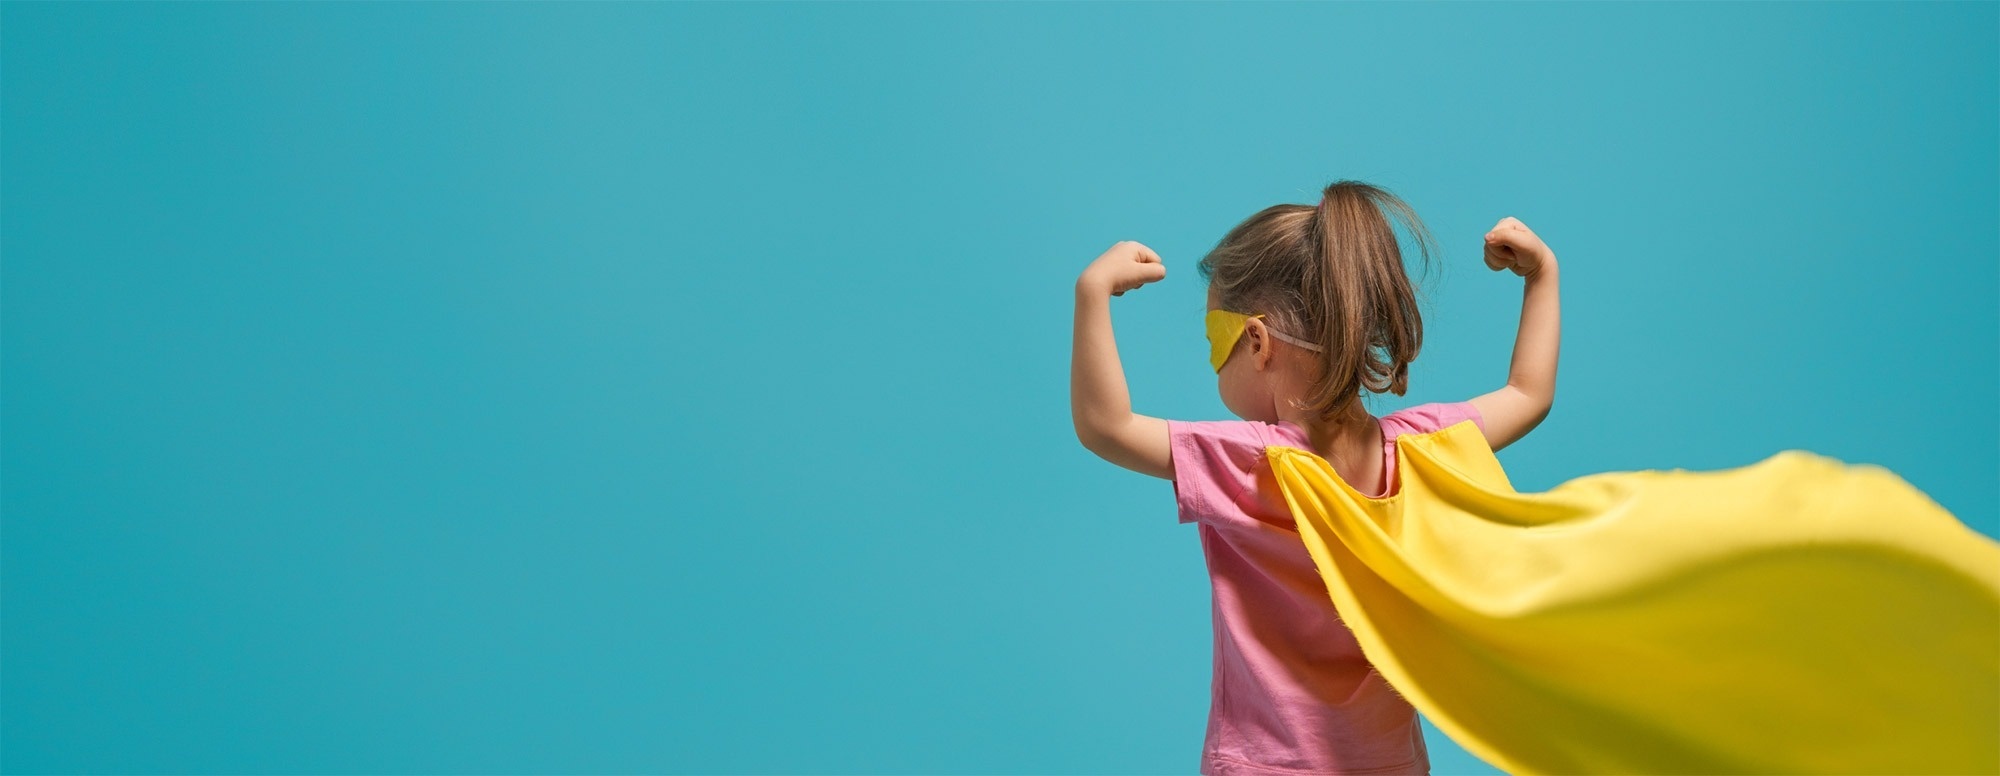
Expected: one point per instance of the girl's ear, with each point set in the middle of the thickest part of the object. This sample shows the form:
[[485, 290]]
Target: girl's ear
[[1260, 344]]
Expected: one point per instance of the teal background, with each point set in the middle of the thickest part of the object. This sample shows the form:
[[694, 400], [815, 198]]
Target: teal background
[[659, 387]]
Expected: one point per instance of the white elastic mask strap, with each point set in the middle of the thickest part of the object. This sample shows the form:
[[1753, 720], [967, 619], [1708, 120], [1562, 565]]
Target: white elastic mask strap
[[1293, 340]]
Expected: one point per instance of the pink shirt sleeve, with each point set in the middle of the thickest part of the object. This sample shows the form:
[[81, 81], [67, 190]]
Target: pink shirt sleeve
[[1215, 465]]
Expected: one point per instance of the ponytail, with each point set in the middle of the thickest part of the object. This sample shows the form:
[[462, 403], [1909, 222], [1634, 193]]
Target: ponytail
[[1358, 299]]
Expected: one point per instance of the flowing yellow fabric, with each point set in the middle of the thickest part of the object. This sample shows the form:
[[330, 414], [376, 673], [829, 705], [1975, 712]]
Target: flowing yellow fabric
[[1797, 615]]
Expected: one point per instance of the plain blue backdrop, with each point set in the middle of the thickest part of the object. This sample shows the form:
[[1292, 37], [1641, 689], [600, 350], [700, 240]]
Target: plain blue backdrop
[[683, 387]]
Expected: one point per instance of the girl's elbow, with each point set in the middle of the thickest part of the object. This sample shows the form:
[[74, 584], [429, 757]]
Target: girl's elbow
[[1104, 440], [1543, 406], [1087, 439], [1541, 413], [1091, 437]]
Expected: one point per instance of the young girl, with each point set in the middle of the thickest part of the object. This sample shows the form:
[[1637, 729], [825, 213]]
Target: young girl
[[1307, 308]]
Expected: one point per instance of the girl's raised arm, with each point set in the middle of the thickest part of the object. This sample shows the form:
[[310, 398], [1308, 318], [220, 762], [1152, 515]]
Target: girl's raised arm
[[1517, 407], [1099, 403]]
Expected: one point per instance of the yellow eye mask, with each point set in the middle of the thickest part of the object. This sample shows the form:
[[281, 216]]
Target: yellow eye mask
[[1225, 327]]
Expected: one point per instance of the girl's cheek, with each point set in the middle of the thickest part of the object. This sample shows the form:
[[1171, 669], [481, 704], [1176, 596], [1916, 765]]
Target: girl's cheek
[[1222, 390], [1232, 394]]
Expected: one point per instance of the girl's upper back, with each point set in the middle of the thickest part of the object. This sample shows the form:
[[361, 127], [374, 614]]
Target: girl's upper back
[[1220, 471], [1292, 690]]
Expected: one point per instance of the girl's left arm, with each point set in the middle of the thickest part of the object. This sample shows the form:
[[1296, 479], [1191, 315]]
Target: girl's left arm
[[1100, 405], [1519, 406]]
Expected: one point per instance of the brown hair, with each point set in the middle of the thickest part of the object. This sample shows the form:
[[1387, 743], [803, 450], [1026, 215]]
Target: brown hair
[[1331, 274]]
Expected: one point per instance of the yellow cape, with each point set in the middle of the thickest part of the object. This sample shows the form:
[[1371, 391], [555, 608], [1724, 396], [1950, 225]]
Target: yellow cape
[[1798, 615]]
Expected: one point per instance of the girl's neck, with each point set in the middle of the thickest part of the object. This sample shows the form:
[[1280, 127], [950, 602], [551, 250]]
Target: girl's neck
[[1356, 430], [1353, 444]]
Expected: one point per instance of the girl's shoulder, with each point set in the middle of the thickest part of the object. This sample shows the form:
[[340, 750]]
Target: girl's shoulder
[[1245, 440], [1231, 448], [1246, 434], [1425, 418], [1216, 465]]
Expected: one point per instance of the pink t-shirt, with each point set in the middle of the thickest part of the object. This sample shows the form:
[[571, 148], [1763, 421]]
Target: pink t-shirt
[[1292, 693]]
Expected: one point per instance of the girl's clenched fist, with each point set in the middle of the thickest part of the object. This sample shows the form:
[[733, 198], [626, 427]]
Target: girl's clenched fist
[[1126, 266], [1510, 244]]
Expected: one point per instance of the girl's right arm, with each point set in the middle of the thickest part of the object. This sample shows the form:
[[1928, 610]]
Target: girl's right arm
[[1520, 405], [1099, 404]]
